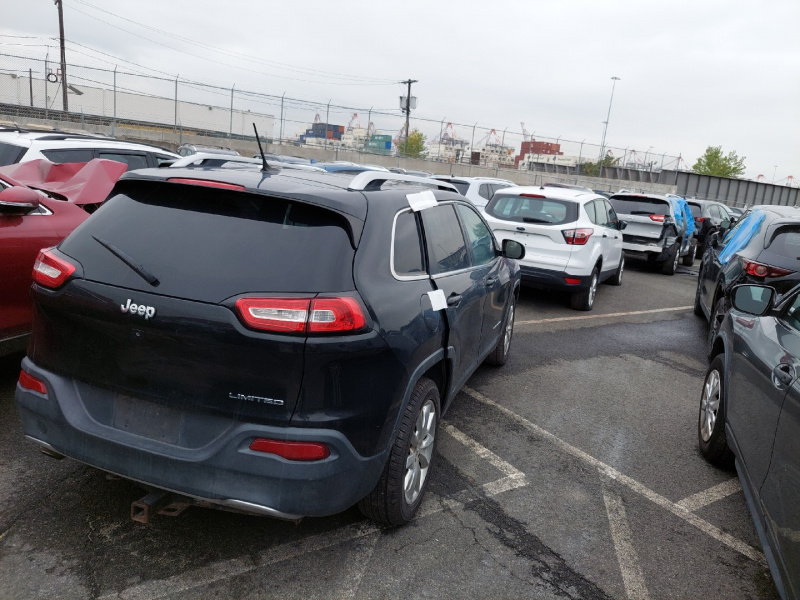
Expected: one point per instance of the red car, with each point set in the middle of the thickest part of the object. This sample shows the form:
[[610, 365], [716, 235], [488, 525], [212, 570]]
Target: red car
[[40, 204]]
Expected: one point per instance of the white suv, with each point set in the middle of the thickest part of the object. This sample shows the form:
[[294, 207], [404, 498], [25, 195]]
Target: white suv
[[21, 145], [572, 238], [478, 190]]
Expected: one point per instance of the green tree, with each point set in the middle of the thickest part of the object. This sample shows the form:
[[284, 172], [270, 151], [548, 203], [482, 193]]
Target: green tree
[[713, 162], [413, 145], [592, 169]]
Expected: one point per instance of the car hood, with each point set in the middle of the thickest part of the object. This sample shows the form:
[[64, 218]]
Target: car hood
[[80, 183]]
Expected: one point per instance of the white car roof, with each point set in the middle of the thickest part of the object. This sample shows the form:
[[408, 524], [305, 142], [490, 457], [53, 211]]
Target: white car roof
[[556, 193], [52, 140]]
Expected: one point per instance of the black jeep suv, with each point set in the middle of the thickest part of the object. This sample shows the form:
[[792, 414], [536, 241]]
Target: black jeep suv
[[282, 343]]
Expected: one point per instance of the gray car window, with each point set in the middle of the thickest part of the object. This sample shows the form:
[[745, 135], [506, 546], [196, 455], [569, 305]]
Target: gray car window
[[484, 191], [408, 254], [480, 240], [69, 155], [590, 209], [446, 247], [134, 161]]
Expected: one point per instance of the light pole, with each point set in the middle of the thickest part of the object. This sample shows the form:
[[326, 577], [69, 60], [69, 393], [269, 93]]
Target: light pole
[[608, 116], [580, 154], [773, 173]]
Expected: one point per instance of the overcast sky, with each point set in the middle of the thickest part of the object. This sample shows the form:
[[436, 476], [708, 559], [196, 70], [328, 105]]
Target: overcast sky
[[693, 73]]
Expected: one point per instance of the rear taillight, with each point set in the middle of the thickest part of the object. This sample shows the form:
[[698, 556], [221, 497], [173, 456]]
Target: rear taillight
[[657, 218], [699, 219], [207, 183], [577, 237], [302, 315], [761, 270], [291, 450], [275, 314], [335, 314], [50, 271], [29, 382]]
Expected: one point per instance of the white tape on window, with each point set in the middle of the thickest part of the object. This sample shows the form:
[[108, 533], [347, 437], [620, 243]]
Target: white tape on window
[[438, 301], [421, 200]]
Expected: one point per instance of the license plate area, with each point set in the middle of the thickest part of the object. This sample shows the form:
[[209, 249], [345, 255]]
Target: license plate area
[[147, 419]]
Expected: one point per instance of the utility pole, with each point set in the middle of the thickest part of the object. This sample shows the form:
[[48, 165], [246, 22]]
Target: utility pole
[[407, 108], [58, 3]]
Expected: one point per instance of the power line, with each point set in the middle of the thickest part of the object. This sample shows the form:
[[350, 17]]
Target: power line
[[350, 79]]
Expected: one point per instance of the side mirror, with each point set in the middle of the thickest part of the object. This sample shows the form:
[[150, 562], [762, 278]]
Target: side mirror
[[713, 239], [18, 201], [622, 225], [514, 250], [725, 224], [752, 299]]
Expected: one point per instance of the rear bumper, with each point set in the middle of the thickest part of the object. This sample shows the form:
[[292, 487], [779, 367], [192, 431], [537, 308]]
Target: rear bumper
[[553, 280], [645, 251], [222, 471]]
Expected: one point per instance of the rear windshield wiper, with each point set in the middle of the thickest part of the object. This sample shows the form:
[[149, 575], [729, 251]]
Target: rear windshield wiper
[[136, 267], [535, 220]]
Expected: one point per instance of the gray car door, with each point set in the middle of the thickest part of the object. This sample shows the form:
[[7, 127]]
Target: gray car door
[[780, 493], [764, 362]]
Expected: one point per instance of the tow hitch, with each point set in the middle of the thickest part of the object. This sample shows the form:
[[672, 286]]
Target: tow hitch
[[160, 502]]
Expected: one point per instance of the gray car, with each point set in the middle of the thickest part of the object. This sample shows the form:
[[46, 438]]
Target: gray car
[[660, 229], [750, 415]]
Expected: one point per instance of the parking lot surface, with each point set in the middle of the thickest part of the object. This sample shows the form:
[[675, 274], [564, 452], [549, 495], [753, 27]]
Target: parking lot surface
[[572, 472]]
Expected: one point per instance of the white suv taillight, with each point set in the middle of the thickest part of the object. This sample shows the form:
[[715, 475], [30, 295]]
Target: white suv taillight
[[577, 237], [302, 315]]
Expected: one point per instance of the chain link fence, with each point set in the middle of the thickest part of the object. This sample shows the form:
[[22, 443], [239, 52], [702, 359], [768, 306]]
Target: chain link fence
[[32, 87]]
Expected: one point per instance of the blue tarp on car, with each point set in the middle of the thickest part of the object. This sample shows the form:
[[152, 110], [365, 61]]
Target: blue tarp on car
[[683, 214], [741, 235]]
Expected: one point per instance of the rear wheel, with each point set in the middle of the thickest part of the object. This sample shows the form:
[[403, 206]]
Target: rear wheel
[[671, 264], [584, 299], [688, 260], [499, 355], [717, 314], [401, 487], [711, 419]]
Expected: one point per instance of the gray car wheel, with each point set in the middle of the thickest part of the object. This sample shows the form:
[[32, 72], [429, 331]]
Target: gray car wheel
[[584, 300], [711, 418]]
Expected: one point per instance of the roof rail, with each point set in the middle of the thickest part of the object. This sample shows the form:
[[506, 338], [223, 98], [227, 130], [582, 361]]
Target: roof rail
[[209, 159], [364, 181]]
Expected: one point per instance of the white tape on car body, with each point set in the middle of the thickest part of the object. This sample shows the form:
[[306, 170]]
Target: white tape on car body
[[438, 301], [421, 200]]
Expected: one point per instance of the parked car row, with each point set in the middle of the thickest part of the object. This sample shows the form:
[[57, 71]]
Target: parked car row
[[139, 359]]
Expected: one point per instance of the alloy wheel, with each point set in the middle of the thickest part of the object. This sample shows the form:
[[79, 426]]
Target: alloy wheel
[[509, 328], [709, 405], [419, 452]]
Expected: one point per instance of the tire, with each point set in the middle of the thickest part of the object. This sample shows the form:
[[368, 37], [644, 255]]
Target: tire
[[688, 260], [401, 487], [499, 355], [711, 436], [717, 312], [584, 299], [669, 266], [616, 278]]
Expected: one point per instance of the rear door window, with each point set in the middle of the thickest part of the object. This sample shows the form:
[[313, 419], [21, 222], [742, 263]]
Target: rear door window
[[408, 257], [446, 247], [210, 244], [485, 191], [69, 155]]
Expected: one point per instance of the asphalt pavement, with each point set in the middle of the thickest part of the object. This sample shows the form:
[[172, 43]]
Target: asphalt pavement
[[571, 472]]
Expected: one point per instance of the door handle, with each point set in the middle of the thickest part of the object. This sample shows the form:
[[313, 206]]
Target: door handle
[[782, 375], [491, 280], [454, 299]]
